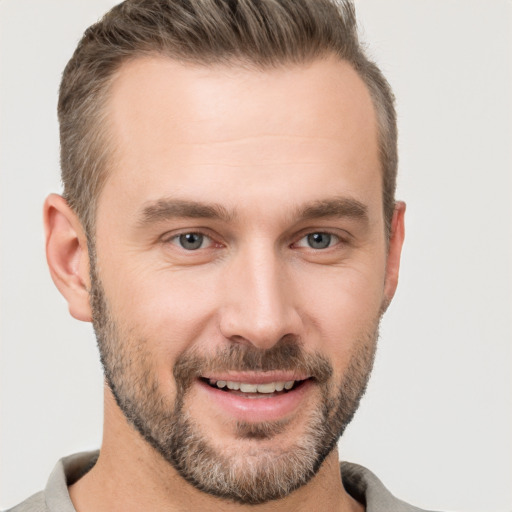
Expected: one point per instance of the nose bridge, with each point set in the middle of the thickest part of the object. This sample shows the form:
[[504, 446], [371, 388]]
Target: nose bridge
[[259, 306]]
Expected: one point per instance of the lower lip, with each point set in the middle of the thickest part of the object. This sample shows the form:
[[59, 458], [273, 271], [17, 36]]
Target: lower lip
[[255, 409]]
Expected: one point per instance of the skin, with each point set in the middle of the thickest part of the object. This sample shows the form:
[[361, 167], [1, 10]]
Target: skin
[[264, 145]]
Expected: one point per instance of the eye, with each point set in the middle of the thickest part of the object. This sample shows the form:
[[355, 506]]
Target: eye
[[318, 240], [191, 241]]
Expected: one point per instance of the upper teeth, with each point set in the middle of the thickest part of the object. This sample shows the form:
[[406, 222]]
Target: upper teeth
[[245, 387]]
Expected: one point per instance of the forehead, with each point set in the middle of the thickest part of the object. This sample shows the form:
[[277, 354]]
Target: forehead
[[176, 126]]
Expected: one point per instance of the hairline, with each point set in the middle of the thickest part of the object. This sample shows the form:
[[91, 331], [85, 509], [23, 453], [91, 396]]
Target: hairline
[[106, 145]]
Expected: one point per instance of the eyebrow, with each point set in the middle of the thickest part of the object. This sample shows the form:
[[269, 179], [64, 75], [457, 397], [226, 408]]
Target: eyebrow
[[165, 209], [334, 207]]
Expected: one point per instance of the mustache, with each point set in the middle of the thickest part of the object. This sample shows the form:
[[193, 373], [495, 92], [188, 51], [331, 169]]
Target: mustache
[[287, 355]]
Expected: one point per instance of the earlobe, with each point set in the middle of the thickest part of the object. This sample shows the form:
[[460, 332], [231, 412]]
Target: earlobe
[[67, 255], [396, 241]]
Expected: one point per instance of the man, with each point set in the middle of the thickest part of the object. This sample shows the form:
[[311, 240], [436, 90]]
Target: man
[[229, 226]]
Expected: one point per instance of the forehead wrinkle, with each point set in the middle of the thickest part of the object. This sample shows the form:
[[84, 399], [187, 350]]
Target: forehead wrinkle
[[244, 139], [168, 208]]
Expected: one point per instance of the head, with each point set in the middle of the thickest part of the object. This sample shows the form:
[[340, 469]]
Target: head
[[258, 35], [229, 226]]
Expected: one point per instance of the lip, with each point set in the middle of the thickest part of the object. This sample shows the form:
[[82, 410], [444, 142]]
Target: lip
[[256, 409], [256, 377]]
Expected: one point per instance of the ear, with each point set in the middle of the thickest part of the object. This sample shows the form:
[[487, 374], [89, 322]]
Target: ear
[[396, 241], [67, 255]]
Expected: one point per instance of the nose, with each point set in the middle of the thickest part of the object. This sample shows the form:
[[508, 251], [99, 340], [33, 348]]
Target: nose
[[259, 302]]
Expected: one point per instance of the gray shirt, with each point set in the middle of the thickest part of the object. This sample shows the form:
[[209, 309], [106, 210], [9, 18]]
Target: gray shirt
[[361, 483]]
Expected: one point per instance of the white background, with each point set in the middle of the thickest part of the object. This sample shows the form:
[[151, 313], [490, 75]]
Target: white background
[[436, 422]]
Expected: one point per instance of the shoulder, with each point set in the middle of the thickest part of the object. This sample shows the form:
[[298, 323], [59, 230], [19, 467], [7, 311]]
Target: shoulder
[[35, 503], [55, 497], [365, 487]]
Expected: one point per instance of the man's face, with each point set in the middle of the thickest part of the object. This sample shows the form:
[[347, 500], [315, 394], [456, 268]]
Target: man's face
[[240, 251]]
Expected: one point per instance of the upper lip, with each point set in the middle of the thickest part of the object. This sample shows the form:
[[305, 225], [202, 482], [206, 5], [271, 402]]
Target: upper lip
[[256, 377]]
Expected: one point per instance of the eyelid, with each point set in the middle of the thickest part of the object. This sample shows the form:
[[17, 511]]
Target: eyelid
[[206, 241], [173, 237], [342, 237], [334, 242]]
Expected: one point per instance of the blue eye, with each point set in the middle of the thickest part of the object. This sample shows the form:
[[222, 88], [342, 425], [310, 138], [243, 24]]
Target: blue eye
[[318, 240], [190, 241]]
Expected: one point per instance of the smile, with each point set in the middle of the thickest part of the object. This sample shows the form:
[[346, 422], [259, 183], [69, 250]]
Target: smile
[[256, 398], [249, 388]]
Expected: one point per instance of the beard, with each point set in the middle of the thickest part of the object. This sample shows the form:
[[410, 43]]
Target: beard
[[250, 473]]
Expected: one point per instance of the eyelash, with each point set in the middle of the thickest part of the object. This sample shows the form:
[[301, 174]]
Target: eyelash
[[331, 236], [178, 240]]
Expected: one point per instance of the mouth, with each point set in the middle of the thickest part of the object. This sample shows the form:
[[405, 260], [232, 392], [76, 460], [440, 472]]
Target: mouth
[[255, 390], [256, 397]]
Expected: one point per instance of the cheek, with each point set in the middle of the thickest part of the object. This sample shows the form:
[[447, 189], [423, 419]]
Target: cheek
[[343, 307], [169, 309]]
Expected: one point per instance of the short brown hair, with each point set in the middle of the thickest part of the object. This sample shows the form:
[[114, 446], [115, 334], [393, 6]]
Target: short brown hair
[[260, 33]]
